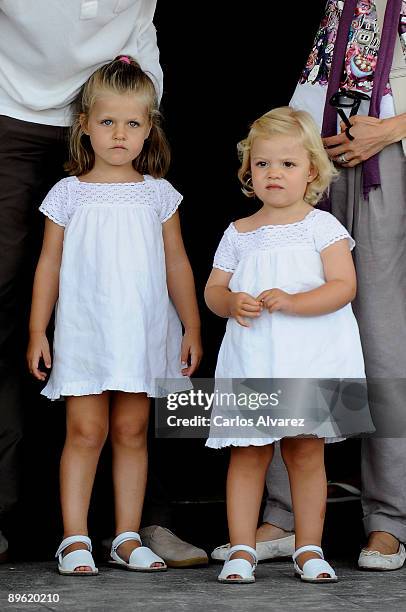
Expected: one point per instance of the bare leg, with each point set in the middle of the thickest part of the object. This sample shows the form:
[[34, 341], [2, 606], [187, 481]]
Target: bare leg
[[304, 459], [86, 433], [245, 488], [128, 427]]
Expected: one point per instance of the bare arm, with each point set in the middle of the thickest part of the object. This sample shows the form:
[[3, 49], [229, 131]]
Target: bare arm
[[339, 289], [44, 296], [181, 288], [226, 303]]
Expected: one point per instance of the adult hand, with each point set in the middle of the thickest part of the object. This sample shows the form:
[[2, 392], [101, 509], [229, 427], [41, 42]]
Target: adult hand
[[371, 135]]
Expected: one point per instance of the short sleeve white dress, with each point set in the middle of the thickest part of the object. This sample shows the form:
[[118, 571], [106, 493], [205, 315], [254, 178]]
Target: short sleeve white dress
[[115, 325], [279, 345]]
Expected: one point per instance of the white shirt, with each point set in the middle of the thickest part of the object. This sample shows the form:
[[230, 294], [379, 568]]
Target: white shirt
[[48, 48]]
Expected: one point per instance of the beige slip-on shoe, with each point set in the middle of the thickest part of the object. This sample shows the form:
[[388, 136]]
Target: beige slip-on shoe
[[175, 552]]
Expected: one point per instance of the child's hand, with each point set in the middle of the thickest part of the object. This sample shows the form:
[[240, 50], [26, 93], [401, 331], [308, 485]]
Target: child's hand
[[191, 351], [244, 305], [38, 347], [276, 299]]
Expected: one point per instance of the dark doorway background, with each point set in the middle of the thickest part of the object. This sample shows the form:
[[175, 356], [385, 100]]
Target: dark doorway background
[[222, 69]]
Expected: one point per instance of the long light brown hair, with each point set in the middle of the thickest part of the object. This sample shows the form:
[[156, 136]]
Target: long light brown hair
[[120, 76]]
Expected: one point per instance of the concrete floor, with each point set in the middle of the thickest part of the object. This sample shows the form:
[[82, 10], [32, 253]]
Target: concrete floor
[[197, 590]]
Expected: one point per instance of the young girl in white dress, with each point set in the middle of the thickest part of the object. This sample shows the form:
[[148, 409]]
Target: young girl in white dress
[[284, 278], [114, 259]]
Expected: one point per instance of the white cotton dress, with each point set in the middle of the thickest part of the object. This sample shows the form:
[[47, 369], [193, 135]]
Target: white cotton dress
[[115, 325], [279, 345]]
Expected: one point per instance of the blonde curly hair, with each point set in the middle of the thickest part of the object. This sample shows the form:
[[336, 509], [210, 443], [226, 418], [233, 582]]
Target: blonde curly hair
[[288, 121]]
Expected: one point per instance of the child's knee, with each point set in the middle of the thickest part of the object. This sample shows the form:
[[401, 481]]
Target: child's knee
[[301, 455], [129, 434], [91, 436], [254, 457]]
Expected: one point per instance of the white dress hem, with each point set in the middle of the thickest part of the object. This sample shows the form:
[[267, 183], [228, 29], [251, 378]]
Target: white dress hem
[[244, 442], [55, 392]]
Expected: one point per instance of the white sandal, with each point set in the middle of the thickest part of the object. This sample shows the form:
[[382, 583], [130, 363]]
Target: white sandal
[[68, 563], [140, 559], [313, 567], [240, 567]]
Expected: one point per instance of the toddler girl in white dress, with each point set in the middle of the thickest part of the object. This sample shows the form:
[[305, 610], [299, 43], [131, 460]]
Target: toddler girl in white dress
[[114, 259], [284, 278]]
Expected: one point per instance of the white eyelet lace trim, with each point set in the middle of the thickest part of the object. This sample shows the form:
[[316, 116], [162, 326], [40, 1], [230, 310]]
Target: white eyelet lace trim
[[317, 231], [70, 193]]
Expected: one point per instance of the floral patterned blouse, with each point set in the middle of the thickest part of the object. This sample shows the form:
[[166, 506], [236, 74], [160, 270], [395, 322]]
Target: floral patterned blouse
[[362, 47]]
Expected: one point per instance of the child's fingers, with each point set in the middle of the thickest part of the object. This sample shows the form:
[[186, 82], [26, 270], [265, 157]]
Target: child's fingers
[[247, 307], [184, 354], [184, 368], [188, 371], [252, 303], [270, 298], [267, 301], [248, 315], [238, 316], [46, 355], [33, 358], [243, 312], [246, 298], [265, 294], [188, 355], [33, 362], [274, 305], [195, 358], [241, 321]]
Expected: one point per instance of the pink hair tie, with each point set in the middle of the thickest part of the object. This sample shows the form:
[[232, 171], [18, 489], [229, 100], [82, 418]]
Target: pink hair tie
[[125, 59]]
